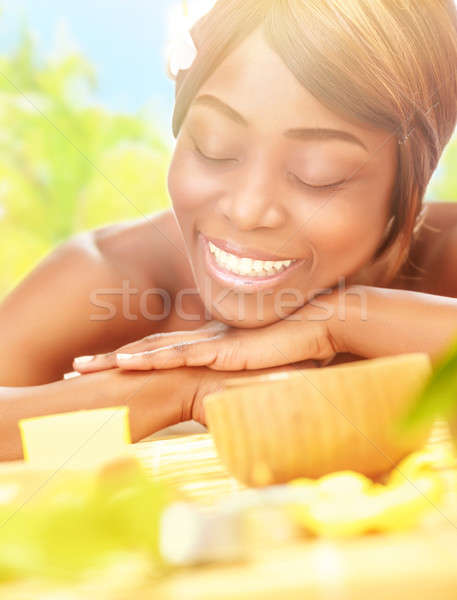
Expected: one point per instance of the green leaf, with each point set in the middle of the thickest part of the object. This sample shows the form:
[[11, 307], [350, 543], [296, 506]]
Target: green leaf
[[439, 395]]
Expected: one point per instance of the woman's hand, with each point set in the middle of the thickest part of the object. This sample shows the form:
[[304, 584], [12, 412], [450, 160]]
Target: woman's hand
[[305, 335], [210, 381]]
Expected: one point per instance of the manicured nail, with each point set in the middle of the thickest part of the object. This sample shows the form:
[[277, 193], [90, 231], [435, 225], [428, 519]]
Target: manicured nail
[[124, 356], [71, 374], [82, 360]]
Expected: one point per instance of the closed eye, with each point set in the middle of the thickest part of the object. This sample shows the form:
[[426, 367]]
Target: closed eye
[[331, 186], [328, 186], [210, 158]]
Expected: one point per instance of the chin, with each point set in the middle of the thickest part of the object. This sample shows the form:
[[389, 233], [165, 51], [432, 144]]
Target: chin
[[250, 318]]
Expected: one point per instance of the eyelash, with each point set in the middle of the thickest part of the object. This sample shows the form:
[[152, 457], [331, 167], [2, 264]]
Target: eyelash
[[214, 160], [330, 187]]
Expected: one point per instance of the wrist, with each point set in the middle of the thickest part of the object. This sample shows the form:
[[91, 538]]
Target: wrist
[[157, 399], [208, 381], [348, 310], [153, 398]]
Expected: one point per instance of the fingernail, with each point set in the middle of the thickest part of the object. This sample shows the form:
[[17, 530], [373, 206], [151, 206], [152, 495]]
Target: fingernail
[[82, 360], [71, 375], [124, 356]]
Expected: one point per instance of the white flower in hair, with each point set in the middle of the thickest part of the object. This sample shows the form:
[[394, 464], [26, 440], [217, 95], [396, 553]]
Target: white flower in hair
[[181, 50]]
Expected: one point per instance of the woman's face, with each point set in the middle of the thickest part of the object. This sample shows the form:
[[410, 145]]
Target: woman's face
[[257, 185]]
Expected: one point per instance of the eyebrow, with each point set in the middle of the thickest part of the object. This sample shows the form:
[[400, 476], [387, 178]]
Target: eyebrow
[[316, 133]]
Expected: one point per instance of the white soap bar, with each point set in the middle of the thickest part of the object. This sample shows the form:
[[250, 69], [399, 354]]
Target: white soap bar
[[76, 440]]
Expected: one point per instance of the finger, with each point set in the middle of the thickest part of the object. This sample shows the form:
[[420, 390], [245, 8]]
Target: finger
[[168, 338], [274, 346], [189, 353], [284, 342], [235, 351], [138, 354], [101, 362], [96, 362], [240, 351], [160, 340]]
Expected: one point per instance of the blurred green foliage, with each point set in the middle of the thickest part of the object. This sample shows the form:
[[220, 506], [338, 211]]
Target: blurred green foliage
[[67, 164], [83, 521], [438, 398]]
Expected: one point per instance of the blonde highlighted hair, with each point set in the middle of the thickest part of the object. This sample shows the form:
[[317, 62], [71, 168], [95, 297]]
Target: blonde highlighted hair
[[390, 64]]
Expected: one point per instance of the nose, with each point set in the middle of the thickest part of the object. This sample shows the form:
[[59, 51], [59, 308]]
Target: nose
[[253, 201]]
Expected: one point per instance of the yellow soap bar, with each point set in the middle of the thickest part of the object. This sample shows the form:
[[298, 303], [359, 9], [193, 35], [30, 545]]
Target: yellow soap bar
[[84, 439]]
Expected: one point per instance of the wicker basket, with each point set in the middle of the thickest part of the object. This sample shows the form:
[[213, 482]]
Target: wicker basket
[[273, 428]]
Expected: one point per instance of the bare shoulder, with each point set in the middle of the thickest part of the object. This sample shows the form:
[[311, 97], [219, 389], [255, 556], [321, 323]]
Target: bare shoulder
[[440, 215], [149, 249], [433, 256], [86, 297]]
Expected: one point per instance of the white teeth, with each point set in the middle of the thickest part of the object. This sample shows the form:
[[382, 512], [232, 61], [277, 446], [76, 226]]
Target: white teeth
[[258, 267], [248, 266]]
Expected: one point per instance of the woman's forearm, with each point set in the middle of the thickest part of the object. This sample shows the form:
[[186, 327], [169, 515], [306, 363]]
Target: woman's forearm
[[155, 400], [371, 322]]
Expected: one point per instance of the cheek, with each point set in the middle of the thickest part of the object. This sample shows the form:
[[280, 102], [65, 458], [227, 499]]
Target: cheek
[[350, 226], [347, 231], [188, 186]]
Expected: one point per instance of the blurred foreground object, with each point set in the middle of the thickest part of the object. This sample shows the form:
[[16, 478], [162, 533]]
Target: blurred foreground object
[[341, 504], [74, 525], [82, 439], [111, 551], [439, 396]]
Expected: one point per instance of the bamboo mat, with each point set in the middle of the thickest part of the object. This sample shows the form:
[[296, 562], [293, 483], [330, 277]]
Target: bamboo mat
[[191, 466]]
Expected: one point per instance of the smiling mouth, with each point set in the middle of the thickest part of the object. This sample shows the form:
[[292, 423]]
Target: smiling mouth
[[248, 267]]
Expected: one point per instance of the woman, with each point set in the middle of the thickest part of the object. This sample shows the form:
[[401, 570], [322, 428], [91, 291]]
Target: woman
[[307, 132]]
